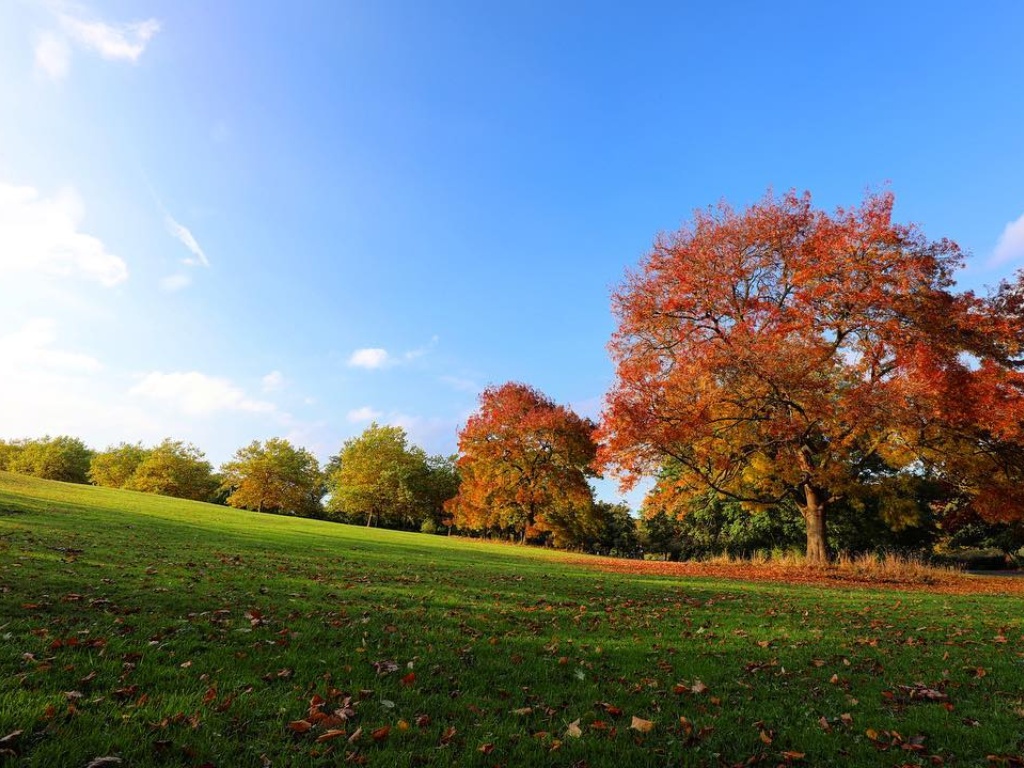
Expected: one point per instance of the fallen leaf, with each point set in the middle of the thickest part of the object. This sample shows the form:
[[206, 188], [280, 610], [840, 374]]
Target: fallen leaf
[[299, 726], [333, 733], [104, 762], [574, 729], [381, 733], [641, 725]]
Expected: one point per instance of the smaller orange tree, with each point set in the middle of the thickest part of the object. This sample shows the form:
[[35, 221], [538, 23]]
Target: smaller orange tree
[[524, 463]]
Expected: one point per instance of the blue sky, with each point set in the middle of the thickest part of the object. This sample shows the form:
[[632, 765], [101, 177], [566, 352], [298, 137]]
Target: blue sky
[[235, 220]]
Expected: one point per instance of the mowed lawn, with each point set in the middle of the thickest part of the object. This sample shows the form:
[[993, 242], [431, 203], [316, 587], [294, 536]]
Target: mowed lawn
[[174, 633]]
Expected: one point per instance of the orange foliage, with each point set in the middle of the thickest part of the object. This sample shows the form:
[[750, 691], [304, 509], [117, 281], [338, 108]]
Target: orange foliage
[[786, 352], [523, 465]]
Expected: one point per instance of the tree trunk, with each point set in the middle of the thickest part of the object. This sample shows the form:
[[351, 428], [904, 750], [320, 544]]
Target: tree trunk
[[814, 516]]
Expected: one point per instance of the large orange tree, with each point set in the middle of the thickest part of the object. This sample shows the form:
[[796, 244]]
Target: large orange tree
[[786, 353], [524, 462]]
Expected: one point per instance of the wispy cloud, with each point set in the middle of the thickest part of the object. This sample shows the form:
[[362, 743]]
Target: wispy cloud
[[360, 415], [116, 42], [273, 381], [110, 41], [198, 394], [374, 358], [41, 234], [413, 354], [182, 233], [370, 358], [31, 347], [1011, 243], [52, 55]]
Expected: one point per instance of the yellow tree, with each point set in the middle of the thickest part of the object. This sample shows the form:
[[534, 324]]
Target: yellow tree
[[274, 476]]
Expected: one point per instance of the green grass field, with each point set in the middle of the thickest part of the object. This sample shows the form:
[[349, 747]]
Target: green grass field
[[165, 632]]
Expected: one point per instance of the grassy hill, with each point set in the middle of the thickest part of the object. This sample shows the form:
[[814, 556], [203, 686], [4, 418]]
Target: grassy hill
[[166, 632]]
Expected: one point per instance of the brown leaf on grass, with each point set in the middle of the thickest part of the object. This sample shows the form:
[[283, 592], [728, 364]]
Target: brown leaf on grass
[[698, 687], [104, 762], [641, 725], [422, 721], [381, 733], [766, 737], [486, 748], [408, 679], [447, 736], [791, 756], [355, 735], [918, 692], [522, 711], [329, 735], [574, 729], [299, 726]]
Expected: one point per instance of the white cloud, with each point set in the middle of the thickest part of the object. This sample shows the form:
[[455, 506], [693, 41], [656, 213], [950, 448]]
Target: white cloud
[[370, 358], [30, 348], [366, 413], [273, 381], [116, 42], [172, 283], [1011, 243], [39, 234], [52, 55], [198, 394], [185, 237]]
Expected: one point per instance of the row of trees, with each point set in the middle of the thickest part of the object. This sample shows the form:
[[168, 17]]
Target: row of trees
[[376, 478], [778, 369]]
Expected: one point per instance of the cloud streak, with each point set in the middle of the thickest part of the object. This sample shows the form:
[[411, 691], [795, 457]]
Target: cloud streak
[[183, 234]]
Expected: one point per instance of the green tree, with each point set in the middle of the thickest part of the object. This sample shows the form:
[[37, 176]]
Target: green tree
[[175, 468], [441, 483], [62, 458], [116, 466], [617, 531], [9, 452], [274, 476], [378, 478]]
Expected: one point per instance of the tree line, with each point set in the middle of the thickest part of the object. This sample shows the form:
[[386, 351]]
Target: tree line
[[784, 374], [531, 488]]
